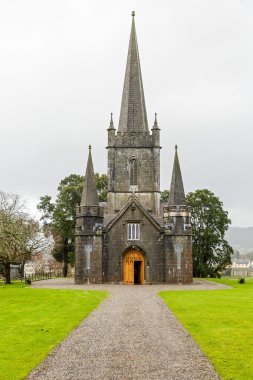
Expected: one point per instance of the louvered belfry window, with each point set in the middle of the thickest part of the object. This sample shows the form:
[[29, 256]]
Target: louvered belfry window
[[133, 231], [133, 172]]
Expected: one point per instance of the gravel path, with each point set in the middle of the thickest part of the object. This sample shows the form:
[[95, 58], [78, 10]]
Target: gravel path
[[131, 335]]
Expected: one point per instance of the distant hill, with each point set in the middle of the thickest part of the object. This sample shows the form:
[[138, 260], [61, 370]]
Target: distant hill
[[240, 238]]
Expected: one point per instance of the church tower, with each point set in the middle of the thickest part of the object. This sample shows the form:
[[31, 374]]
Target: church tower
[[133, 152], [133, 242], [88, 236], [178, 232]]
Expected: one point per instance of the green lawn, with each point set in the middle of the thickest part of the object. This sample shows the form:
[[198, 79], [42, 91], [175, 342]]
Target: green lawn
[[34, 321], [221, 322]]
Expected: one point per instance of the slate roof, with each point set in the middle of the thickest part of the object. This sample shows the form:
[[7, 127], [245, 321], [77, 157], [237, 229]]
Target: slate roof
[[110, 220], [109, 217]]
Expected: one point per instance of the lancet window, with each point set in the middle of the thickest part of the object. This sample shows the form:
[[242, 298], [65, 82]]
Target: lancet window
[[133, 231], [133, 172]]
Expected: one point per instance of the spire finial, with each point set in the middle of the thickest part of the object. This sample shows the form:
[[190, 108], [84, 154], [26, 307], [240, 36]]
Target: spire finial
[[176, 148], [133, 13], [111, 126], [89, 148], [155, 122]]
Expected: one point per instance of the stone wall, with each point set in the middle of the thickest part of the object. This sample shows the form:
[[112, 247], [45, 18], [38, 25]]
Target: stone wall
[[88, 245], [178, 259], [121, 149], [178, 244], [116, 243]]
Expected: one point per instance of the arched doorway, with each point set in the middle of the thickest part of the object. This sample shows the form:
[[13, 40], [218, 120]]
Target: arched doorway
[[133, 269]]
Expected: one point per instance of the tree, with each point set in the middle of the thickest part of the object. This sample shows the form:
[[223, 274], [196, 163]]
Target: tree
[[165, 196], [59, 216], [101, 184], [20, 235], [211, 252]]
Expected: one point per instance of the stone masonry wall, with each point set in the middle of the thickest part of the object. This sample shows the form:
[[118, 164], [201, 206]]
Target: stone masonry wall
[[148, 183], [173, 273], [150, 243], [88, 265]]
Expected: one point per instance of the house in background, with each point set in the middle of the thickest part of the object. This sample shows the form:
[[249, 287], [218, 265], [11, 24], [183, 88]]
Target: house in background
[[242, 267]]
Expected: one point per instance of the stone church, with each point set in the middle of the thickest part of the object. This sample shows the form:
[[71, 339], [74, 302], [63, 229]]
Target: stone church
[[133, 238]]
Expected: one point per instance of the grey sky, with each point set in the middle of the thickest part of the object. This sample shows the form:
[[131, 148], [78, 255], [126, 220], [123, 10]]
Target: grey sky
[[62, 68]]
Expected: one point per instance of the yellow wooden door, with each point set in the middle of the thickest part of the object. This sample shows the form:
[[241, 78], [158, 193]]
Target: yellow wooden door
[[128, 270]]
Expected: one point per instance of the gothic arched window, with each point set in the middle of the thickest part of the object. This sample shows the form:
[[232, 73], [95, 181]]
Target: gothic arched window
[[133, 172]]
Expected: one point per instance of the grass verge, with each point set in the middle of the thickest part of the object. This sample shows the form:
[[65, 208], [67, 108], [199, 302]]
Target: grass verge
[[34, 321], [221, 322]]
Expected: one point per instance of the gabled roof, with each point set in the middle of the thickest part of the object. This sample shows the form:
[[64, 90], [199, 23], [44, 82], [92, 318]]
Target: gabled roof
[[133, 200], [133, 116]]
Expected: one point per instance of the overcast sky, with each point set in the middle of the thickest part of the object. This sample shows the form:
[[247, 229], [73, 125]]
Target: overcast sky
[[62, 67]]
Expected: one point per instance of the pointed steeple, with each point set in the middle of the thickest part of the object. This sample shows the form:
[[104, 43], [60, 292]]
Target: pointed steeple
[[89, 194], [133, 116], [155, 126], [111, 125], [177, 195]]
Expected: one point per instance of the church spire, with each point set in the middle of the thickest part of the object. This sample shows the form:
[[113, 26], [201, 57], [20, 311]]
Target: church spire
[[177, 195], [133, 116], [155, 126], [111, 126], [89, 194]]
